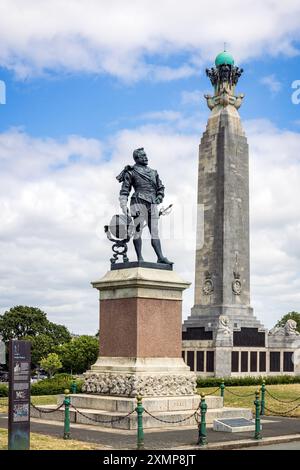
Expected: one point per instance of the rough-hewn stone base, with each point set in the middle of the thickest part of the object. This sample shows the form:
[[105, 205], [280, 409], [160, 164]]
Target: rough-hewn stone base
[[145, 385], [149, 377]]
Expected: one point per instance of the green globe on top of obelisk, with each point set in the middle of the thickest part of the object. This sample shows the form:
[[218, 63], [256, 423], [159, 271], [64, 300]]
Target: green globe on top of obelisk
[[224, 58]]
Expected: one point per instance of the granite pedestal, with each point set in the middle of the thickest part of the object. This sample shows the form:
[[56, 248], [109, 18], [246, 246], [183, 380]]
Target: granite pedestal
[[140, 335], [140, 344]]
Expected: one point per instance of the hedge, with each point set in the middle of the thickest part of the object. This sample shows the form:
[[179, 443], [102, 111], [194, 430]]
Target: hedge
[[3, 390], [250, 380], [54, 386]]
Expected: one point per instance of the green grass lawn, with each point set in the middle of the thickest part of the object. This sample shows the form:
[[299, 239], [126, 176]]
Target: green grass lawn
[[36, 400], [286, 392], [42, 442]]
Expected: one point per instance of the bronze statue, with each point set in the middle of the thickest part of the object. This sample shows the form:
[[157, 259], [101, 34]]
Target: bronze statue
[[148, 193]]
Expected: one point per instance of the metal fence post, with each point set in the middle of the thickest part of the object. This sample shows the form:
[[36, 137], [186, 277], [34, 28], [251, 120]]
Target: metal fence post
[[202, 441], [257, 434], [74, 387], [67, 402], [222, 387], [263, 393], [140, 432]]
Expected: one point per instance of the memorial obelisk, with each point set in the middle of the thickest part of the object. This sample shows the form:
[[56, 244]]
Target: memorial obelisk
[[222, 275]]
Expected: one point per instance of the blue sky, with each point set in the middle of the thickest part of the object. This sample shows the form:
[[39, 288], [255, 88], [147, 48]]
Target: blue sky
[[98, 105], [86, 83]]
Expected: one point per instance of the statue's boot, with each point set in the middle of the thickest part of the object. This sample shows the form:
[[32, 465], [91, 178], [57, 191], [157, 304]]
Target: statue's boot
[[155, 242], [137, 242]]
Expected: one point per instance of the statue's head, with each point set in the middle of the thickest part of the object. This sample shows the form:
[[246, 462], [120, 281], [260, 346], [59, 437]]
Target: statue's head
[[140, 157]]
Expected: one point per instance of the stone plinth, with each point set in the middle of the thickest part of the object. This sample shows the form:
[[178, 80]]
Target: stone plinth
[[106, 411], [140, 354], [140, 335]]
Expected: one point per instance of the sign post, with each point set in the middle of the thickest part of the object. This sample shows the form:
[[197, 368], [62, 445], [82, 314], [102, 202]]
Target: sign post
[[2, 351], [19, 395]]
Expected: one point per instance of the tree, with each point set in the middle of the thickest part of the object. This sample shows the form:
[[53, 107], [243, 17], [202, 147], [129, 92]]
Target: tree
[[41, 346], [79, 354], [21, 321], [51, 364], [290, 316], [59, 333], [30, 323]]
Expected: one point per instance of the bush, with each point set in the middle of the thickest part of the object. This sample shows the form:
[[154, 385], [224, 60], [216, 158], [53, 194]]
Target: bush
[[3, 390], [58, 384], [240, 381], [62, 375], [54, 386]]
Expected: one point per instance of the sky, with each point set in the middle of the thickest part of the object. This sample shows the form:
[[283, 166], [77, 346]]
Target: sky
[[88, 82]]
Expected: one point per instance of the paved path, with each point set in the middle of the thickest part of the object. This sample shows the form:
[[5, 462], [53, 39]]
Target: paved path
[[283, 446], [158, 439]]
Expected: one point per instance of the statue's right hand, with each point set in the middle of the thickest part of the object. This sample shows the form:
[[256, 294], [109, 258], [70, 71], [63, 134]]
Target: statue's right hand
[[123, 204], [124, 209]]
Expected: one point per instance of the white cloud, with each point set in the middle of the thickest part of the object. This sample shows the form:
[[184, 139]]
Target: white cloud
[[272, 83], [165, 115], [194, 97], [180, 121], [124, 39], [53, 209], [275, 215]]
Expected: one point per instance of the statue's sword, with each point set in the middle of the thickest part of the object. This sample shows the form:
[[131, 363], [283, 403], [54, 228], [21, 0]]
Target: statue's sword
[[165, 211], [162, 211]]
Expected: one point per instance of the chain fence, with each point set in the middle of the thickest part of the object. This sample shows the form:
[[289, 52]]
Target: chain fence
[[273, 412], [281, 401], [43, 410], [238, 395], [197, 414], [215, 391], [282, 413], [182, 420], [118, 419]]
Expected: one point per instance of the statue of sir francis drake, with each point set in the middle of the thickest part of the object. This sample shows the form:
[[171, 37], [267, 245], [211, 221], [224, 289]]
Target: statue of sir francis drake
[[148, 194]]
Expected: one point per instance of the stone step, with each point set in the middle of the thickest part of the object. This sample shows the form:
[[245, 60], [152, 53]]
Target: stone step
[[54, 416], [109, 419], [125, 405]]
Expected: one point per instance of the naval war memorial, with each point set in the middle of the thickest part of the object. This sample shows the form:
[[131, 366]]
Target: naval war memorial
[[144, 350]]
